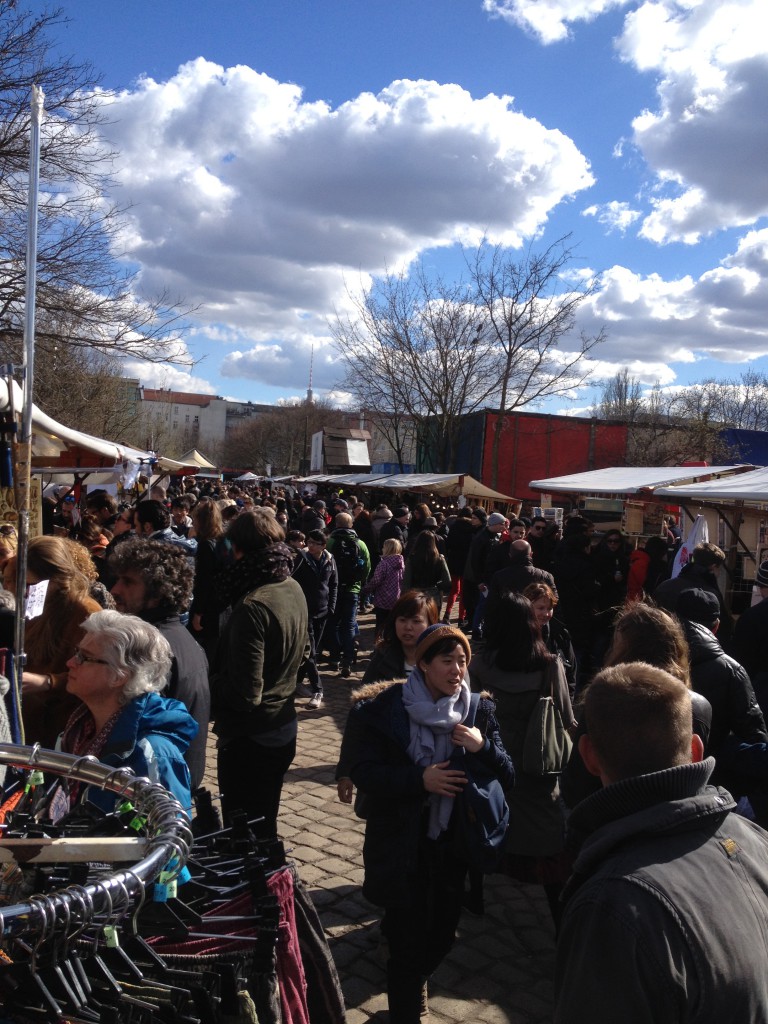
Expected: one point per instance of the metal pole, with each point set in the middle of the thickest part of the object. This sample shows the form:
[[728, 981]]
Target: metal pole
[[24, 446]]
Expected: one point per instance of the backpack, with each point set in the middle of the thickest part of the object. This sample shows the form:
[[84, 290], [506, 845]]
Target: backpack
[[480, 814], [350, 562]]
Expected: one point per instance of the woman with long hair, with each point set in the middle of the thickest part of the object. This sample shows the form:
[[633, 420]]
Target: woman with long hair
[[208, 530], [51, 638], [516, 666], [426, 569], [554, 634], [395, 652]]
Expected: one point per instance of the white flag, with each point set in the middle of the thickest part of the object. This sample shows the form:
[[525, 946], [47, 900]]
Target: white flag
[[699, 534]]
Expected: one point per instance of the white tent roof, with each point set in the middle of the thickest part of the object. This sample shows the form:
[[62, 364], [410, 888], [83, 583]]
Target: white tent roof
[[445, 484], [751, 486], [195, 458], [51, 439], [627, 479]]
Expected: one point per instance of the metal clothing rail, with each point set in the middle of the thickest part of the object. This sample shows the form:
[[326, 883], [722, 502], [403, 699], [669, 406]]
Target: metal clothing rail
[[169, 840]]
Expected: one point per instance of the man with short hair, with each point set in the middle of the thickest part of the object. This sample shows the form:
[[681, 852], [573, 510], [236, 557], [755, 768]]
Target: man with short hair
[[396, 528], [154, 581], [479, 567], [353, 566], [665, 912], [540, 550], [519, 574], [153, 522], [103, 506], [698, 572]]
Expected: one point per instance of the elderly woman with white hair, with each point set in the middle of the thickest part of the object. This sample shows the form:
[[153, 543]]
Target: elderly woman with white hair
[[117, 672]]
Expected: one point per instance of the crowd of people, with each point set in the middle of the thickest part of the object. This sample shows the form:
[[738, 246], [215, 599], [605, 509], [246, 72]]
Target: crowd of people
[[213, 606]]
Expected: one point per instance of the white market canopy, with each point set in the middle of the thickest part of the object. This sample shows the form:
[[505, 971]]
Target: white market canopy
[[63, 450], [444, 484], [631, 480], [195, 458], [752, 486]]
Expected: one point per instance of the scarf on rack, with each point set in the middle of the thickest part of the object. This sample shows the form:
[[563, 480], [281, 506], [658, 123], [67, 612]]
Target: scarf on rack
[[272, 564], [432, 722]]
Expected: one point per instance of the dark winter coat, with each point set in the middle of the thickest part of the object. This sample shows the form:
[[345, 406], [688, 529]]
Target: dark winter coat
[[692, 577], [380, 767], [665, 912], [477, 569], [392, 530], [749, 646], [387, 663], [319, 581], [726, 686], [457, 545], [537, 825], [188, 683], [514, 579]]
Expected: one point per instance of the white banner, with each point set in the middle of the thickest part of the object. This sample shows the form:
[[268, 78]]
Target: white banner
[[699, 534]]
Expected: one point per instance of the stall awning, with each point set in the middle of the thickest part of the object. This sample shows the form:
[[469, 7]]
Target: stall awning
[[444, 484], [58, 449], [751, 486], [630, 480]]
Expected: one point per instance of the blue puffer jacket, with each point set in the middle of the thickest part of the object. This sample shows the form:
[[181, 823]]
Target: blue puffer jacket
[[375, 747], [150, 737]]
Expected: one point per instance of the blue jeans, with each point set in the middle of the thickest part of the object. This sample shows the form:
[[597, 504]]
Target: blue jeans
[[342, 639]]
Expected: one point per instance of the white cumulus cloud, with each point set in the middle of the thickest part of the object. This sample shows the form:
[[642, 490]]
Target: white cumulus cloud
[[720, 314], [707, 140], [549, 19], [614, 216], [262, 206]]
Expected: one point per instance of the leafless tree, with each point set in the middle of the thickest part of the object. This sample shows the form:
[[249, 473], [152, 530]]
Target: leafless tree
[[667, 428], [279, 438], [415, 352], [85, 300], [527, 308]]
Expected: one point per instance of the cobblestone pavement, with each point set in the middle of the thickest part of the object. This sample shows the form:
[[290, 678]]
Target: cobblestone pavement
[[500, 968]]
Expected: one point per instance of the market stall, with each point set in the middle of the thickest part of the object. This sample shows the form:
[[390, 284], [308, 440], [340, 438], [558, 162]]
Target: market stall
[[635, 499], [457, 488]]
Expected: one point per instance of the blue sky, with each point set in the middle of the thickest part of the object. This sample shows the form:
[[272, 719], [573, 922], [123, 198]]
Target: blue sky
[[279, 152]]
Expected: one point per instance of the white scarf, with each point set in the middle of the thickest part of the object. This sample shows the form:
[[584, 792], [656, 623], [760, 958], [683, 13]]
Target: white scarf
[[432, 722]]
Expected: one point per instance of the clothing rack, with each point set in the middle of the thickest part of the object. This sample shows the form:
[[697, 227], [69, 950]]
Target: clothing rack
[[198, 931], [167, 831]]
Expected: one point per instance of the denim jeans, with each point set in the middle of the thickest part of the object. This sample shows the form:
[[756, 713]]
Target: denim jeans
[[344, 624]]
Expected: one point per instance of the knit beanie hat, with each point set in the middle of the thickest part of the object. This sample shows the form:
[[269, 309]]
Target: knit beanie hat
[[762, 575], [434, 634], [481, 514], [400, 511], [698, 605], [496, 519]]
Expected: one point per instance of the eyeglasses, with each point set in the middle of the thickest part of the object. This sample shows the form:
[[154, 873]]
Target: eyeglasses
[[538, 528], [613, 540], [82, 657]]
